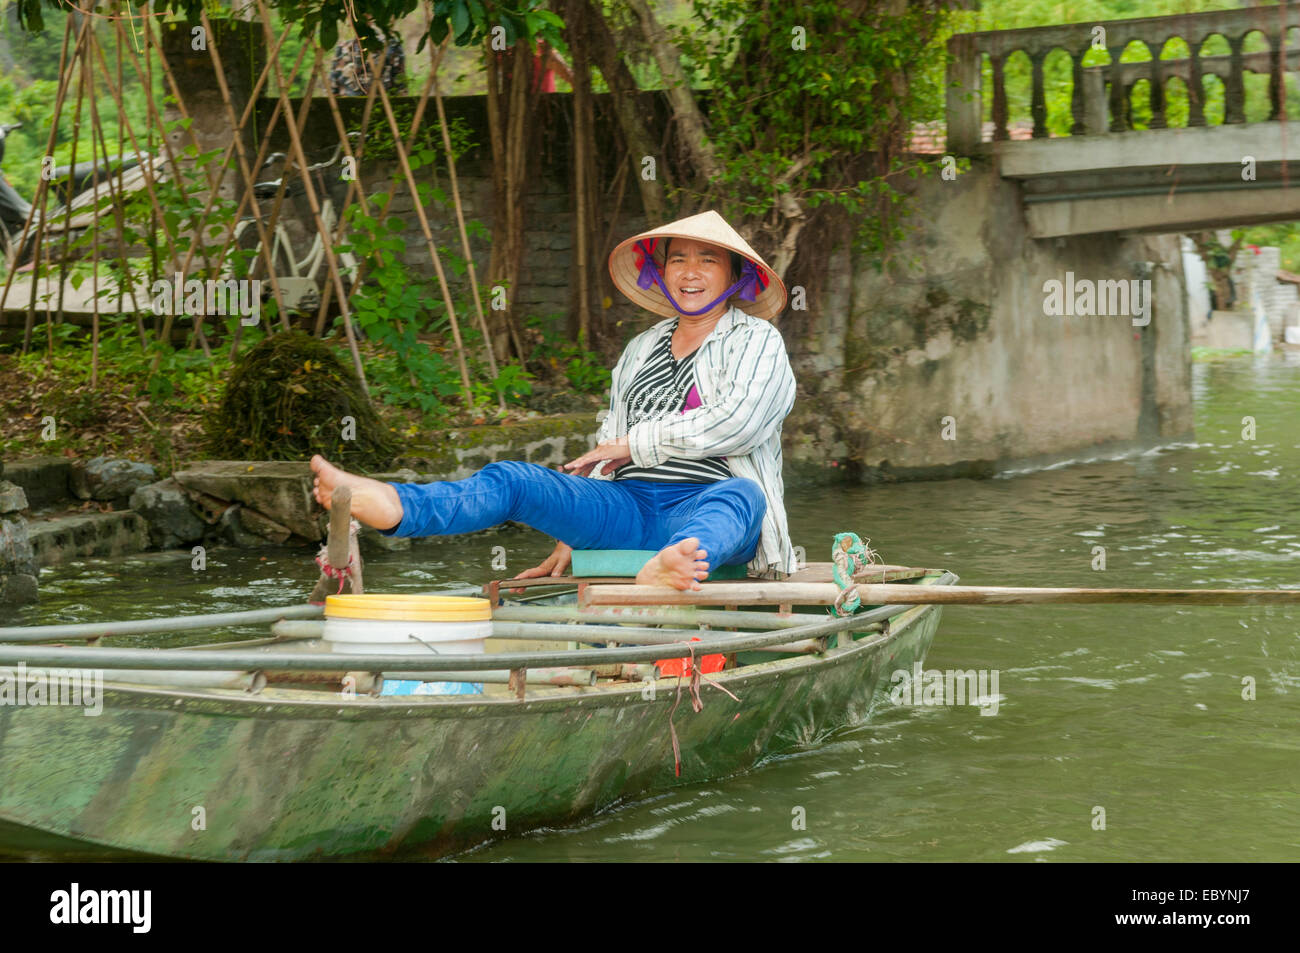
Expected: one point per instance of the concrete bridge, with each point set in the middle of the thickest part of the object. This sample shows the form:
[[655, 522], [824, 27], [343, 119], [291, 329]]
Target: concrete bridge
[[1107, 176]]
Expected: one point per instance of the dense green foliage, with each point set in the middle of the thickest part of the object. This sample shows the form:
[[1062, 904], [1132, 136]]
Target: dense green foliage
[[468, 21], [808, 102]]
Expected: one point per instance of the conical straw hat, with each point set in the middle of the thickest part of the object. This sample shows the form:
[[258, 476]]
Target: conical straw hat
[[709, 227]]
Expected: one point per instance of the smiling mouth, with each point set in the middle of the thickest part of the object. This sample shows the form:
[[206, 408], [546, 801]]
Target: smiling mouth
[[690, 292]]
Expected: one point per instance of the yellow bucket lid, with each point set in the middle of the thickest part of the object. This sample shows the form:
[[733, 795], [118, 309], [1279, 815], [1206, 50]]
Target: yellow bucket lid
[[399, 608]]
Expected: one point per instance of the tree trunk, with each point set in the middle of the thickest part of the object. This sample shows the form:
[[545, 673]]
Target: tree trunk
[[510, 132], [685, 109], [634, 121], [588, 220], [1218, 265]]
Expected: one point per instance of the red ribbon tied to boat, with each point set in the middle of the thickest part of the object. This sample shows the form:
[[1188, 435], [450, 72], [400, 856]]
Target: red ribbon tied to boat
[[697, 704], [339, 574]]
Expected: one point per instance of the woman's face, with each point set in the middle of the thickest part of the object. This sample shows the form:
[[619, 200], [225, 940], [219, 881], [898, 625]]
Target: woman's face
[[696, 273]]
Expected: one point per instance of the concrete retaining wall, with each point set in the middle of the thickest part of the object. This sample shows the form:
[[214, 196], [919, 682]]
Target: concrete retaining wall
[[950, 367]]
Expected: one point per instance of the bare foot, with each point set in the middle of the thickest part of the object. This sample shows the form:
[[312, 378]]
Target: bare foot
[[373, 503], [679, 565]]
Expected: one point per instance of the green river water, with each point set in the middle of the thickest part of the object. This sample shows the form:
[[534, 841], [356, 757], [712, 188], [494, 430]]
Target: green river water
[[1135, 711]]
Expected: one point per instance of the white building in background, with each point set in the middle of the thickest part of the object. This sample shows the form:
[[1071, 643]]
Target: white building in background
[[1198, 289], [1256, 270]]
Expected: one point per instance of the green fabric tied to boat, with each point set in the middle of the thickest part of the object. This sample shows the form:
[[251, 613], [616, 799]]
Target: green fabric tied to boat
[[628, 562]]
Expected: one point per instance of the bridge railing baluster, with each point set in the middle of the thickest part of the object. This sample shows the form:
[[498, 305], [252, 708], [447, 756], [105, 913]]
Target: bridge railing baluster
[[999, 101], [1038, 107], [1118, 93], [1078, 107], [1157, 83], [1276, 75], [1234, 94], [1090, 98], [1195, 83]]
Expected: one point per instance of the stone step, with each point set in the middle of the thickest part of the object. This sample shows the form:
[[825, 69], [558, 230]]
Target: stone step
[[55, 539], [43, 479]]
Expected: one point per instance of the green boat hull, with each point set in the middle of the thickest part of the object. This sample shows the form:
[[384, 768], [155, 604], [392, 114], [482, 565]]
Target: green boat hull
[[291, 775]]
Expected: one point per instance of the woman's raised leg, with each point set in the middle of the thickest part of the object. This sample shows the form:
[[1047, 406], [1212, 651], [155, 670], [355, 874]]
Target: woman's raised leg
[[579, 511]]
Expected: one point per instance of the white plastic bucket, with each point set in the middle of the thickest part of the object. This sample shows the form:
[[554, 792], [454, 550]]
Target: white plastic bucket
[[425, 626]]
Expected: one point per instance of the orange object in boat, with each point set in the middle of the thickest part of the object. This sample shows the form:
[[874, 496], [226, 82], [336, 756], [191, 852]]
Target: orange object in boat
[[709, 664]]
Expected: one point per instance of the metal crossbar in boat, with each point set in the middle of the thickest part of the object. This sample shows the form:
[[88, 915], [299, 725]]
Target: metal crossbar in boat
[[619, 641], [636, 646]]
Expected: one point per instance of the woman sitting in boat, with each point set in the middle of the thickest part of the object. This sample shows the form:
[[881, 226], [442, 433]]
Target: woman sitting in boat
[[687, 462]]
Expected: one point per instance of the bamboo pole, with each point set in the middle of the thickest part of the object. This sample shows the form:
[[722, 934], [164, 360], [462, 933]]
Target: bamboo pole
[[618, 187], [63, 264], [246, 192], [562, 624], [149, 131], [354, 189], [566, 676], [251, 682], [355, 183], [116, 193], [583, 168], [94, 217], [460, 224], [120, 39], [188, 126], [246, 195], [501, 112], [265, 232], [147, 164], [331, 262], [516, 177], [282, 102], [685, 616], [42, 186], [213, 620], [267, 229], [286, 630], [429, 242], [154, 119], [80, 65], [814, 593]]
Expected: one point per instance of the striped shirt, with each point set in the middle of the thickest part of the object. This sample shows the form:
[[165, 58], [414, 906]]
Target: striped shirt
[[746, 390], [665, 385]]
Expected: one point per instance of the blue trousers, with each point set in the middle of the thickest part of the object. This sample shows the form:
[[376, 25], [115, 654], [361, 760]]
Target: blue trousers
[[725, 516]]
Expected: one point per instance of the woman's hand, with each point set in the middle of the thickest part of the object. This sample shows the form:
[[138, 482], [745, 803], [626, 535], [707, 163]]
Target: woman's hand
[[615, 452], [554, 565]]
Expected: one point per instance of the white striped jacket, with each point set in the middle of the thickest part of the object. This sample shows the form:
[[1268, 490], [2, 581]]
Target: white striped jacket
[[746, 390]]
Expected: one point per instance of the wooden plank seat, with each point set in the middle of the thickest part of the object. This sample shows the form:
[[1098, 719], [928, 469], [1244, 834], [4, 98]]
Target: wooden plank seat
[[594, 571]]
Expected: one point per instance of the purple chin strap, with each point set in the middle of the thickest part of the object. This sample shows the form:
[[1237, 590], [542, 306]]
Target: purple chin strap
[[752, 282]]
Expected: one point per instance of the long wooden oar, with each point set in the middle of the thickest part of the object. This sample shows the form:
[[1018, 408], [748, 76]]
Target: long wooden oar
[[817, 593]]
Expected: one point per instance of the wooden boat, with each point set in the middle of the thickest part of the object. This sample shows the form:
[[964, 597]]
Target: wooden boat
[[250, 751]]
